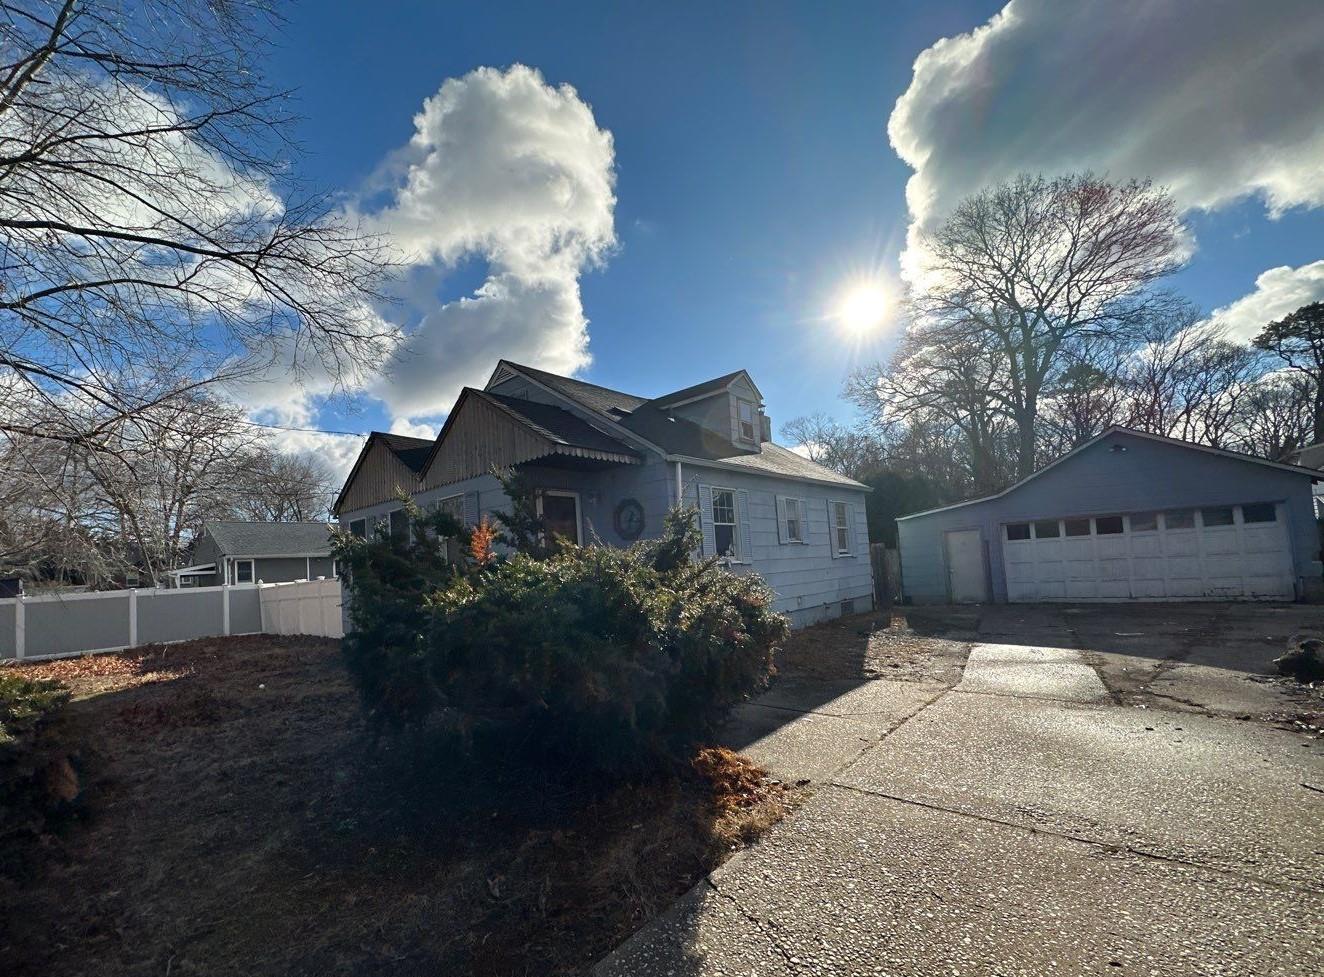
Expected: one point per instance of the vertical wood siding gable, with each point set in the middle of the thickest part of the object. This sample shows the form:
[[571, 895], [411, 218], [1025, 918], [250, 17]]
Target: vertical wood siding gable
[[381, 476]]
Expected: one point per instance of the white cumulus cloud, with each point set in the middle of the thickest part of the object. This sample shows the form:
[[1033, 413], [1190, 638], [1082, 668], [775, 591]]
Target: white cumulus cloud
[[509, 169], [1278, 291], [1217, 101]]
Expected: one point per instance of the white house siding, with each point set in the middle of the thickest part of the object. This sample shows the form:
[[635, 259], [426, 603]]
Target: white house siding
[[1148, 476], [810, 583]]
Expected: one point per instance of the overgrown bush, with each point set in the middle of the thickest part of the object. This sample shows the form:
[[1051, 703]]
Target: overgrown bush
[[585, 659], [1304, 660], [30, 771]]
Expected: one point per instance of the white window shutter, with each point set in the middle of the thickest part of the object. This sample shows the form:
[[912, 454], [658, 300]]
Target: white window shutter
[[471, 508], [832, 530], [706, 520], [746, 537], [781, 519]]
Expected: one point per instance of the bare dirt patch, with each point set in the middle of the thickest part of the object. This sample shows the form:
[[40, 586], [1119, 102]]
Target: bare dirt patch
[[233, 821], [883, 644]]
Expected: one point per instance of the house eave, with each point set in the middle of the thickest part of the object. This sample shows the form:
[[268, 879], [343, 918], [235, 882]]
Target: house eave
[[850, 485]]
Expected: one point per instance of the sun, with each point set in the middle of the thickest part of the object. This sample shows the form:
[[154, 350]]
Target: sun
[[864, 307]]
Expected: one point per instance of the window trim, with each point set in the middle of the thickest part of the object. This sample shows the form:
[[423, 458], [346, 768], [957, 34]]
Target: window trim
[[753, 421], [565, 494], [234, 571], [835, 528], [736, 555]]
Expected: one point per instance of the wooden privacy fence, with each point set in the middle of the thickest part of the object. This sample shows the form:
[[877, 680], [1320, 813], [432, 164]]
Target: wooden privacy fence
[[65, 625], [886, 574]]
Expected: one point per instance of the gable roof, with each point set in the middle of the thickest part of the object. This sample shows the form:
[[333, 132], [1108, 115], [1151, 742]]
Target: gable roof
[[677, 437], [413, 453], [1312, 473], [604, 400], [271, 538], [557, 425], [701, 390]]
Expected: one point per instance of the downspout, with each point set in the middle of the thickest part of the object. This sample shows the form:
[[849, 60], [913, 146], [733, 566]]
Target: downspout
[[680, 485]]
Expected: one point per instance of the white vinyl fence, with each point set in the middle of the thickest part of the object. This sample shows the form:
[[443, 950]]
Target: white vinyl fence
[[64, 625]]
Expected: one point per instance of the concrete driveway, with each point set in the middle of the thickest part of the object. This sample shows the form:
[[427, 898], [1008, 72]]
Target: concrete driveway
[[1034, 790]]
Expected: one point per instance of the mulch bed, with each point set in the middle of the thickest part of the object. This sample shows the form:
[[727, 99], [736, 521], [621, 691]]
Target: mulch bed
[[234, 820]]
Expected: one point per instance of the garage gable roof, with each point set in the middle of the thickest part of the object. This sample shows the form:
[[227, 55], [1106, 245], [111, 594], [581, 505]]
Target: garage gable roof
[[1313, 474]]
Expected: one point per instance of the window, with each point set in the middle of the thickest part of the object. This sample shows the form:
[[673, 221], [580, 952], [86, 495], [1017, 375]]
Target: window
[[358, 527], [1219, 516], [399, 522], [1078, 527], [1144, 522], [1108, 525], [841, 527], [747, 420], [1179, 519], [453, 506], [335, 569], [1047, 529], [1259, 512], [724, 523], [243, 571], [1018, 530], [795, 520], [188, 580]]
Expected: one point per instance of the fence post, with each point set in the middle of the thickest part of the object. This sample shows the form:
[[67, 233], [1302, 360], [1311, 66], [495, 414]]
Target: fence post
[[20, 628], [133, 618], [225, 608]]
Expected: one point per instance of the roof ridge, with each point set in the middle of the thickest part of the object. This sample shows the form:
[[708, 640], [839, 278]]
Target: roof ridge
[[586, 383]]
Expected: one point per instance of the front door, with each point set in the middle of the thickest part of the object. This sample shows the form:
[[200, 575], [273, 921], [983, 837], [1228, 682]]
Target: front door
[[965, 567], [560, 515]]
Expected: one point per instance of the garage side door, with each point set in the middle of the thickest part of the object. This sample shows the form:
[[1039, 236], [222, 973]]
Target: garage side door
[[1218, 553]]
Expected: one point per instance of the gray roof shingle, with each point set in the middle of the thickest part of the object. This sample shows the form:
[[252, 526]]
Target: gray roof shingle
[[559, 425], [271, 538]]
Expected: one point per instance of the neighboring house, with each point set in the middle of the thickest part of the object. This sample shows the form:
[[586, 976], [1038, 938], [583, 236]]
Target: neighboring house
[[607, 465], [249, 552], [1312, 456], [1125, 516]]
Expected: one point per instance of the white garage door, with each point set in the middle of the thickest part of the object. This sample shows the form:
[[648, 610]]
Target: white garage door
[[1222, 553]]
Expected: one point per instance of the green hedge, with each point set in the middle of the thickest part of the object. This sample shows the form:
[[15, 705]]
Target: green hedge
[[592, 659]]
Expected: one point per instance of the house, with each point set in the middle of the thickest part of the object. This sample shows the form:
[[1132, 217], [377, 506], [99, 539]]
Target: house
[[249, 552], [607, 465], [1312, 456], [1125, 516]]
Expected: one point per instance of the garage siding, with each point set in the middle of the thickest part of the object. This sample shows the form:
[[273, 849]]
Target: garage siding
[[1148, 475]]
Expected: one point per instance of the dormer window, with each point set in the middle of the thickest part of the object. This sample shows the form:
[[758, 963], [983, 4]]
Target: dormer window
[[748, 422]]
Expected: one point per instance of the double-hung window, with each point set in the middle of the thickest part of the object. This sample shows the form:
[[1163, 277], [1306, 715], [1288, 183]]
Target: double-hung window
[[243, 571], [794, 530], [748, 421], [399, 522], [841, 528], [724, 523], [358, 527]]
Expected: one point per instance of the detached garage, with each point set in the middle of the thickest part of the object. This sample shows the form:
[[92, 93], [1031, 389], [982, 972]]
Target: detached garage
[[1125, 516]]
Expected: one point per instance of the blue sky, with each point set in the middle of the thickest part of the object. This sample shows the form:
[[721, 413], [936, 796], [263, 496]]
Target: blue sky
[[755, 178]]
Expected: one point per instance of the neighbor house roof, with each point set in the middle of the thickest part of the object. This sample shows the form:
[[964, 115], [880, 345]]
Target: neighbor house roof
[[271, 538], [1131, 432], [1311, 456]]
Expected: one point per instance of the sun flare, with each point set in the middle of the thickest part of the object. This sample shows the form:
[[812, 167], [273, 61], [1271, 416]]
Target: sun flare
[[863, 308]]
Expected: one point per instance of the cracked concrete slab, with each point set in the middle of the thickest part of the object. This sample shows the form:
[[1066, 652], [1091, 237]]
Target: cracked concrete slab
[[1044, 672], [1217, 792], [862, 885], [810, 729]]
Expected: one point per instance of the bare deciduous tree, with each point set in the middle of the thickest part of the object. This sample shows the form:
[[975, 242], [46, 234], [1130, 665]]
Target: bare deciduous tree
[[1038, 266], [152, 237], [851, 451], [1298, 340]]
